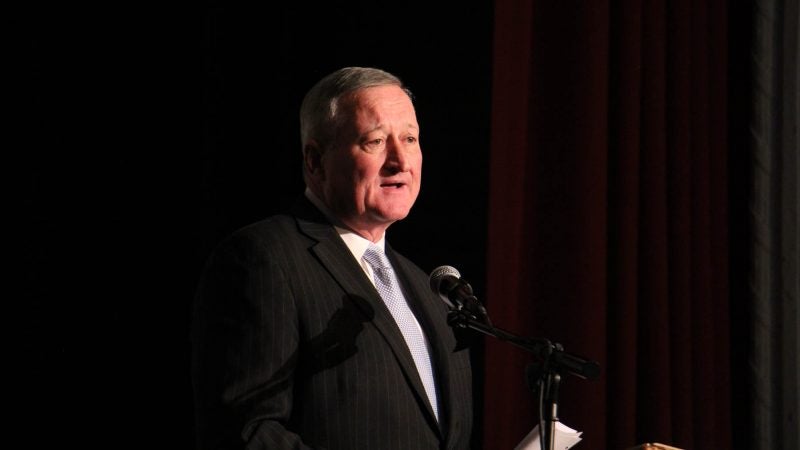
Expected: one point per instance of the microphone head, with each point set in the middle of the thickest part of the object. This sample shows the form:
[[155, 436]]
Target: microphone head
[[440, 273]]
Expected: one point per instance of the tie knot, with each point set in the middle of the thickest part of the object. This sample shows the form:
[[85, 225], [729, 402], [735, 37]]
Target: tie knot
[[376, 258]]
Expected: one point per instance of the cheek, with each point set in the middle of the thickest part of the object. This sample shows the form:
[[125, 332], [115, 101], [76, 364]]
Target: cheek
[[418, 170], [344, 172], [367, 171]]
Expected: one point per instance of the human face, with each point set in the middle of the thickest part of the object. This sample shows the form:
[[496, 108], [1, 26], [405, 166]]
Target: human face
[[370, 177]]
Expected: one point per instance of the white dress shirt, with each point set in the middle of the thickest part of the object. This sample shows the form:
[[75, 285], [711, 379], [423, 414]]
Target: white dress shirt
[[354, 242]]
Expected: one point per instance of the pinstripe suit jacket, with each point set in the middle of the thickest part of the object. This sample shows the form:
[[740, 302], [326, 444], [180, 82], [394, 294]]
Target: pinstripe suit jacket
[[294, 348]]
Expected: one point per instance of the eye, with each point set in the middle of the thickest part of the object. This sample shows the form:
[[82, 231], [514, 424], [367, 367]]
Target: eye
[[374, 145], [411, 140]]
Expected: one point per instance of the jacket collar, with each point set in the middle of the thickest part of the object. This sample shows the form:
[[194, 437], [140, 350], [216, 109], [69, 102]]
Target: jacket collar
[[334, 255]]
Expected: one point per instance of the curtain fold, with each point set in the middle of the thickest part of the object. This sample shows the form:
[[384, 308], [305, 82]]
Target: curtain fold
[[608, 218], [773, 347]]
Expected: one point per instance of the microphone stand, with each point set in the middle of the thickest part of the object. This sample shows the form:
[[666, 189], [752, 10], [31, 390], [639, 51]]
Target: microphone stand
[[547, 375]]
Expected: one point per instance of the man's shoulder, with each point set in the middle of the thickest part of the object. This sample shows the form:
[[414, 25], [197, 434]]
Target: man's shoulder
[[268, 227], [409, 266], [278, 233]]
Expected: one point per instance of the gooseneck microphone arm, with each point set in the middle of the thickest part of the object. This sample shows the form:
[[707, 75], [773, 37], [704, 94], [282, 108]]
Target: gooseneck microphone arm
[[467, 312], [552, 353]]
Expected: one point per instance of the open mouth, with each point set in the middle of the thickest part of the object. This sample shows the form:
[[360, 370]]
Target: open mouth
[[392, 185]]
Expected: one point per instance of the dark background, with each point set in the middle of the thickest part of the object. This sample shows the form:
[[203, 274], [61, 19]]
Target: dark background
[[155, 131]]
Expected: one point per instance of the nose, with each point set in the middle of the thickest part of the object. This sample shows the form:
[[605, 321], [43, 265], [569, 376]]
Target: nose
[[397, 156]]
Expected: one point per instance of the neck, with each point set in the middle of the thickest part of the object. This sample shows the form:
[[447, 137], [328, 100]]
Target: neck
[[372, 233]]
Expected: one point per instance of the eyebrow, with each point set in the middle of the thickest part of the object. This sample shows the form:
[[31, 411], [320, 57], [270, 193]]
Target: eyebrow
[[380, 127]]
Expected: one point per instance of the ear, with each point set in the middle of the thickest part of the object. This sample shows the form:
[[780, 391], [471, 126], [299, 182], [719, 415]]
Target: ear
[[312, 159]]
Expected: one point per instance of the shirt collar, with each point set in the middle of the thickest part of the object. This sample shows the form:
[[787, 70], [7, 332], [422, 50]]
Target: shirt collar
[[357, 244]]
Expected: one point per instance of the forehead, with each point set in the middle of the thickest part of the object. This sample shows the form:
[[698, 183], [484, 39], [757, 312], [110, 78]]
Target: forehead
[[385, 102]]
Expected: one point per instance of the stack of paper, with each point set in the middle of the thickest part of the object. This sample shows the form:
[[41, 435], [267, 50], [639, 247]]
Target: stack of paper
[[565, 438], [654, 446]]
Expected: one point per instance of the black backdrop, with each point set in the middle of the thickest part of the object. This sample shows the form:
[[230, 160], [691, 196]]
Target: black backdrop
[[155, 131]]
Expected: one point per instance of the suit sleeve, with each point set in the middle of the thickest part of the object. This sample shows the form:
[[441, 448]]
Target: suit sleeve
[[245, 344]]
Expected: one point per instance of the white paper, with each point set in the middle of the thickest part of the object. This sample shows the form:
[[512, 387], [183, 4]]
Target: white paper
[[565, 438]]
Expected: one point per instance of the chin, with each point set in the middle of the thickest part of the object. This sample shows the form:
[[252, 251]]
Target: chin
[[391, 214], [398, 215]]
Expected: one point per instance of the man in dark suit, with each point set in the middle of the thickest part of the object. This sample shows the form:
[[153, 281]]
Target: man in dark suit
[[309, 330]]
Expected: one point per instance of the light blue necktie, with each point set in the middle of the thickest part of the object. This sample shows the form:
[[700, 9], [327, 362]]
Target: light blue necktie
[[389, 289]]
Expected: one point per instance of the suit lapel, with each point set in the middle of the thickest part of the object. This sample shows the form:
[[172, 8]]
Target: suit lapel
[[333, 254], [439, 335]]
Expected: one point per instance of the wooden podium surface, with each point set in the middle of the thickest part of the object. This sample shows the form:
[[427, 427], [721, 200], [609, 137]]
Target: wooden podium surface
[[654, 446]]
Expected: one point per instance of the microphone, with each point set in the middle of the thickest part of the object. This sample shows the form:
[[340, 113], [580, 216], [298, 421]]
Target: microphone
[[447, 283]]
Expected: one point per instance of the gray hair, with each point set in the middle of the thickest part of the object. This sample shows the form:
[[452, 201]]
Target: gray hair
[[318, 112]]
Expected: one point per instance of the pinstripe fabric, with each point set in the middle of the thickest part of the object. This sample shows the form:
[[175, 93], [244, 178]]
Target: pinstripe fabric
[[294, 348], [389, 289]]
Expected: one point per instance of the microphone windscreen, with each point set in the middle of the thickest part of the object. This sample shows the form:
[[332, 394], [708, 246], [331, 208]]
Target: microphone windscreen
[[439, 273]]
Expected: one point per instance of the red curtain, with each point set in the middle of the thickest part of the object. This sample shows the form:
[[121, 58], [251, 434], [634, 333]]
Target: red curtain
[[608, 218]]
